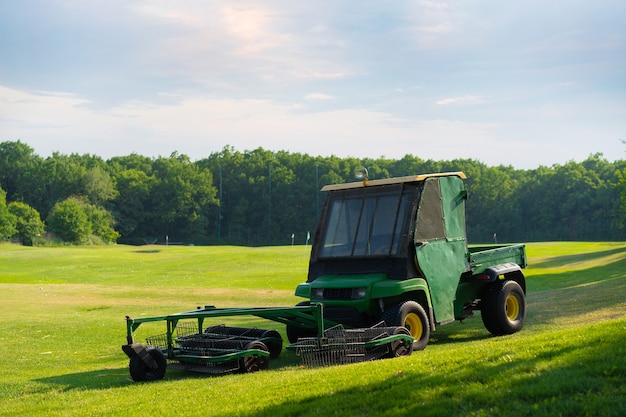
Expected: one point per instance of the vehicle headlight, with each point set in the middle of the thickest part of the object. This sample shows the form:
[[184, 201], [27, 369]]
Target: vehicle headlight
[[359, 293], [317, 293]]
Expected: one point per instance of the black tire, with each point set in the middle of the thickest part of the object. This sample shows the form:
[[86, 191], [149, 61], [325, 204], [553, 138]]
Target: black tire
[[254, 363], [399, 348], [294, 332], [140, 372], [410, 314], [503, 308], [274, 342]]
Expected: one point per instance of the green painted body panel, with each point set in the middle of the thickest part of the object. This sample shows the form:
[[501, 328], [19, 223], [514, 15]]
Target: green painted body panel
[[304, 290], [377, 286], [348, 280], [441, 252], [393, 288], [442, 263], [482, 257]]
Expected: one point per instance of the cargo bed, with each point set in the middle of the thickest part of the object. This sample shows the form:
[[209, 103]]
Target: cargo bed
[[482, 257]]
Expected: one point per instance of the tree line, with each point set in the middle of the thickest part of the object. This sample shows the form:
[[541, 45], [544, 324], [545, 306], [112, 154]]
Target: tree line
[[261, 197]]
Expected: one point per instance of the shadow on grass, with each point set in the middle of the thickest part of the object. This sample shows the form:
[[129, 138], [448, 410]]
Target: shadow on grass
[[576, 293], [120, 377], [613, 268], [581, 257], [571, 378], [108, 378], [470, 330], [100, 379]]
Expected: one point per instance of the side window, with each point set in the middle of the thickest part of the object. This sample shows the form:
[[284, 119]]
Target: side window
[[430, 222]]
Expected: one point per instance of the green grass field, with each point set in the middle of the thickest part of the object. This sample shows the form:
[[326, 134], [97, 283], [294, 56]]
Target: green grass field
[[63, 325]]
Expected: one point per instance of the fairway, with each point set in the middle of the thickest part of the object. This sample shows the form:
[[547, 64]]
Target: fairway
[[63, 326]]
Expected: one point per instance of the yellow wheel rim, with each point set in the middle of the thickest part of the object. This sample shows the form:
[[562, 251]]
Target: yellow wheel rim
[[414, 324], [512, 307]]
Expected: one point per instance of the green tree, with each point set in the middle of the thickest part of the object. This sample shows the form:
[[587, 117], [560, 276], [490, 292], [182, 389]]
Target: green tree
[[7, 219], [493, 204], [28, 222], [181, 198], [621, 185], [102, 223], [98, 186], [18, 165], [266, 196], [69, 221], [59, 177], [131, 204]]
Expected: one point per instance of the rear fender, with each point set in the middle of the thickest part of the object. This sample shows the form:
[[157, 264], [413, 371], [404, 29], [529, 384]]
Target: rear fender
[[508, 271], [517, 276]]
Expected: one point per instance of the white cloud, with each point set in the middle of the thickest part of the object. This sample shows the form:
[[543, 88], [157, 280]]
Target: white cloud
[[40, 108], [318, 96], [198, 126], [461, 100], [322, 75], [431, 23]]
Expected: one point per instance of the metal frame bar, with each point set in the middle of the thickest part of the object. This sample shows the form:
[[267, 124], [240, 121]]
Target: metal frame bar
[[308, 317]]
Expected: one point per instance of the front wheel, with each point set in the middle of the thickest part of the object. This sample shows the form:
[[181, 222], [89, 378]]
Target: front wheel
[[503, 308], [139, 371], [411, 315]]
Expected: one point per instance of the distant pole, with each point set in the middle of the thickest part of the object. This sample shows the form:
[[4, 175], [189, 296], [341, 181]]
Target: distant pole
[[495, 238], [317, 192], [269, 203], [219, 210], [292, 237]]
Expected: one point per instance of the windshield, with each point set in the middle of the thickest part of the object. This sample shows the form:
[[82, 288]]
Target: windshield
[[369, 222]]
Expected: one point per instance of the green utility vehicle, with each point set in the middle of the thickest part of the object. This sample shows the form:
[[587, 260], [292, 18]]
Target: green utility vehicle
[[395, 250]]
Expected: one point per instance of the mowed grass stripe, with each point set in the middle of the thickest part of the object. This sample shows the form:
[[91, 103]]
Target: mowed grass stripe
[[200, 266]]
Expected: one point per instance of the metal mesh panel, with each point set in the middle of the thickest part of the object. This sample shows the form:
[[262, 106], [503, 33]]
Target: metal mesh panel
[[217, 350], [183, 329], [341, 346]]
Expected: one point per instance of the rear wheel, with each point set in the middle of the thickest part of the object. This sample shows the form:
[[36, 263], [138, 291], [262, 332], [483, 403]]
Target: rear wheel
[[411, 315], [140, 371], [503, 308]]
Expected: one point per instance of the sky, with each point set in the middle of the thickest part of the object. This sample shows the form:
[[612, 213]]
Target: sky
[[523, 83]]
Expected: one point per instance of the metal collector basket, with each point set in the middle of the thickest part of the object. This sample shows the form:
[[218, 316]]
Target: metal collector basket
[[341, 346]]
